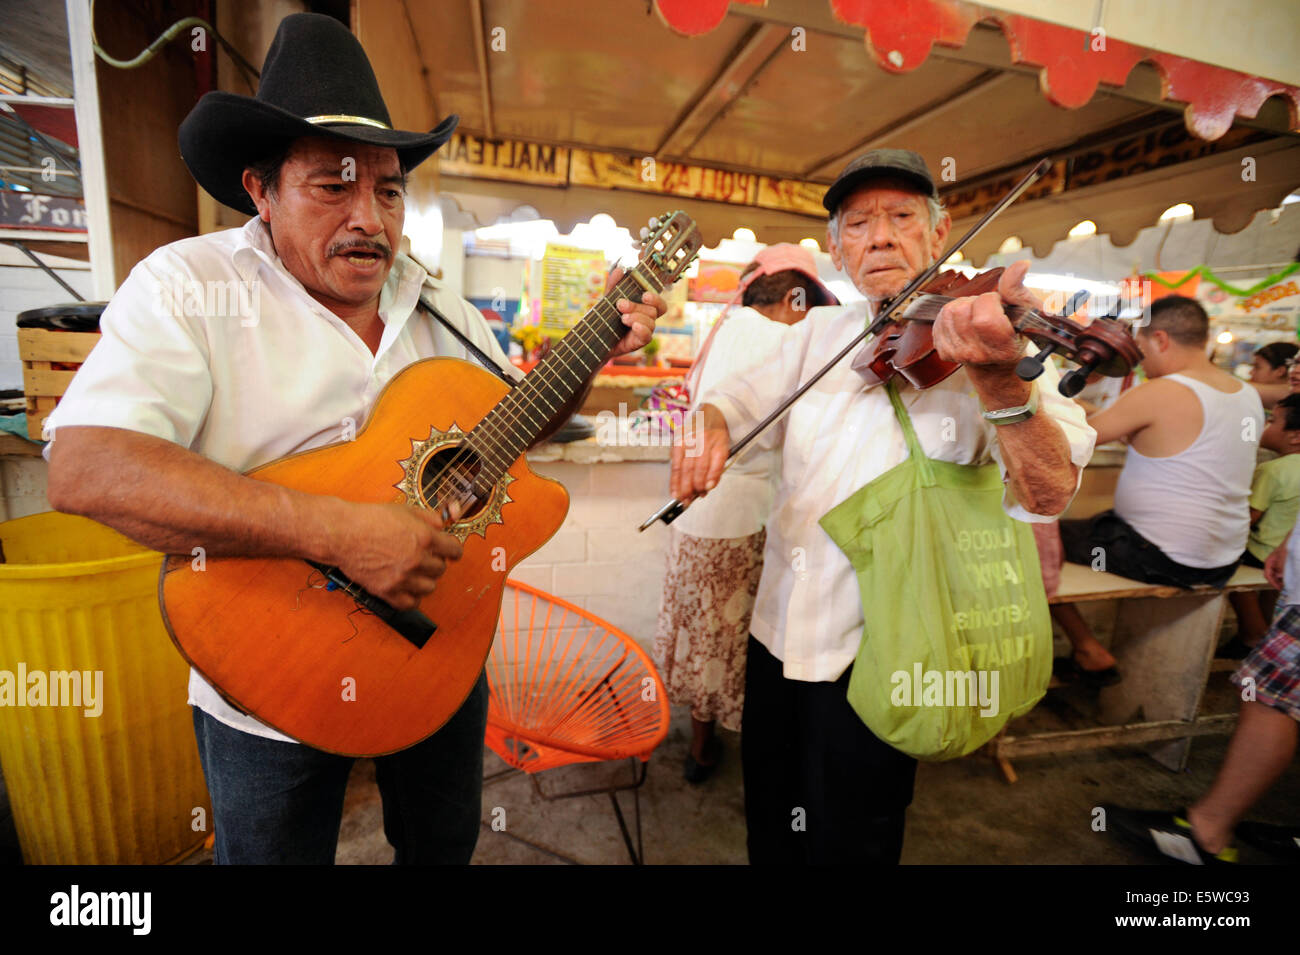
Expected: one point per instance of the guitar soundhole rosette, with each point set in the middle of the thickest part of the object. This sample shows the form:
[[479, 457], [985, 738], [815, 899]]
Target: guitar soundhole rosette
[[435, 452]]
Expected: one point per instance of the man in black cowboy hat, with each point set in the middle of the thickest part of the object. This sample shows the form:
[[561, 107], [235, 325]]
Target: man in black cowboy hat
[[225, 351]]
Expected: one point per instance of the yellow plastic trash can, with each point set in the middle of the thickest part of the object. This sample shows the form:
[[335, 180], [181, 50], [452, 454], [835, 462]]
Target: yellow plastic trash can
[[96, 739]]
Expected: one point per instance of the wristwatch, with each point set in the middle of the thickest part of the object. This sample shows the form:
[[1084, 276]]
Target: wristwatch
[[1014, 415]]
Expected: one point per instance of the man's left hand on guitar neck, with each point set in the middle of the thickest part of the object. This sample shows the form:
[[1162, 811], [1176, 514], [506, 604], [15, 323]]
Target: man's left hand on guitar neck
[[640, 318]]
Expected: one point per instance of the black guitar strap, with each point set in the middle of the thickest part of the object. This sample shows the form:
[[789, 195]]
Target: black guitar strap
[[473, 349]]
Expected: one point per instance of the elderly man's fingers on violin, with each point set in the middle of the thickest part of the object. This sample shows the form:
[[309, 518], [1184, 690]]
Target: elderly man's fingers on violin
[[1011, 286], [976, 331]]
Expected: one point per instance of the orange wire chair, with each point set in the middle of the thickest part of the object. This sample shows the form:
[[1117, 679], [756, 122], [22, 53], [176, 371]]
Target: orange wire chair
[[567, 687]]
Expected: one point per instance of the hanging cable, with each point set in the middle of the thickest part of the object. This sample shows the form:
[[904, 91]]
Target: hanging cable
[[149, 52]]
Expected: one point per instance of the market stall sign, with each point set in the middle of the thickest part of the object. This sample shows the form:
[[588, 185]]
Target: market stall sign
[[964, 202], [30, 210], [1153, 149], [538, 164], [715, 282], [1277, 307], [791, 195], [515, 161], [1273, 308], [646, 174], [511, 160]]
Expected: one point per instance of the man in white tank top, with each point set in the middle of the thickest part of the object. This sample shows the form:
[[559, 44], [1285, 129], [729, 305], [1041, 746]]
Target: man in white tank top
[[1181, 514]]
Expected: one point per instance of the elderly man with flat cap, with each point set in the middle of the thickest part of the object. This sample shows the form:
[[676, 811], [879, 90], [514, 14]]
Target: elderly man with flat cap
[[819, 786], [318, 311]]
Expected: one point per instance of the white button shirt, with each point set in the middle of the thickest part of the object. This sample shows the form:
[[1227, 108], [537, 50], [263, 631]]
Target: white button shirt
[[210, 343], [838, 437], [739, 506]]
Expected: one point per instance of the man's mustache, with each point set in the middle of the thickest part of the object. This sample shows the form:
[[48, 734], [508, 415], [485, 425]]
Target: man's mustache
[[361, 245]]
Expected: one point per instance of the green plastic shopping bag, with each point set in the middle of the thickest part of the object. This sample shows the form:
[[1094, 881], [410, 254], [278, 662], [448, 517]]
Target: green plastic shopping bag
[[957, 638]]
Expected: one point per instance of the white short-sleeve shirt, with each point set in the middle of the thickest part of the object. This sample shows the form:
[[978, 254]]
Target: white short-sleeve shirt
[[838, 437], [739, 506], [210, 343]]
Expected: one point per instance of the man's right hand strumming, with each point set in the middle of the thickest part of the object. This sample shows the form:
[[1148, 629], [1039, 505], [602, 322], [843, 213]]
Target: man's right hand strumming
[[700, 454], [394, 551], [171, 499]]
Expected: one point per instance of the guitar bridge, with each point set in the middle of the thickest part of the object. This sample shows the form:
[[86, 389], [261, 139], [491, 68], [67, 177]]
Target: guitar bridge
[[411, 624]]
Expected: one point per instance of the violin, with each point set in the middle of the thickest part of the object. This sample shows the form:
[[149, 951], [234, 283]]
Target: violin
[[905, 346]]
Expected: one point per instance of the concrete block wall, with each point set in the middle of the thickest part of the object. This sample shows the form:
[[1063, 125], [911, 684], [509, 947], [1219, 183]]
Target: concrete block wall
[[23, 482], [598, 560]]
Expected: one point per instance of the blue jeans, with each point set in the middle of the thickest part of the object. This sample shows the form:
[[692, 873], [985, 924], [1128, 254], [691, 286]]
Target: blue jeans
[[281, 803]]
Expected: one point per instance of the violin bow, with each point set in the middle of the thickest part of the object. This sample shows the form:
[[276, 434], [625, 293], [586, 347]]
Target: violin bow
[[674, 508]]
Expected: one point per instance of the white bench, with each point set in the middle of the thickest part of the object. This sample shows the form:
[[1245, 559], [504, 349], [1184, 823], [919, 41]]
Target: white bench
[[1164, 642]]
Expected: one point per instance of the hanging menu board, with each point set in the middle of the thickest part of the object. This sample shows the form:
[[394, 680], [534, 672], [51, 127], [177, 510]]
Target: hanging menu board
[[572, 280]]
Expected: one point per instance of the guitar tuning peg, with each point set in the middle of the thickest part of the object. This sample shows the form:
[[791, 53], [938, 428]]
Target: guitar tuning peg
[[654, 223], [645, 231]]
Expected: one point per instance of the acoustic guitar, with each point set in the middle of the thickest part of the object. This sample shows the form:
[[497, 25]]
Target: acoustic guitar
[[307, 651]]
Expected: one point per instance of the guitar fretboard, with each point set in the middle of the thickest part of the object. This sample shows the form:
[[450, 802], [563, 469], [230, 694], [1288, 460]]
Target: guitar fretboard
[[519, 419]]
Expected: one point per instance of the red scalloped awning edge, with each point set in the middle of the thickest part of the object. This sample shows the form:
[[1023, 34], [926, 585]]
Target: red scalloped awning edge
[[899, 35], [695, 17]]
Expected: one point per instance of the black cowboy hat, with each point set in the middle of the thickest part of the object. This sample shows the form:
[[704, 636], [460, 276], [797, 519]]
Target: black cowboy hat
[[316, 81]]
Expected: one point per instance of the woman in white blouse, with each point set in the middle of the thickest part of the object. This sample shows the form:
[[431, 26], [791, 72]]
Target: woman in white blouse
[[715, 551]]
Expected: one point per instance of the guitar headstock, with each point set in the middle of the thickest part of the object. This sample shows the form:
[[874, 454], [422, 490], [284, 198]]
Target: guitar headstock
[[668, 246]]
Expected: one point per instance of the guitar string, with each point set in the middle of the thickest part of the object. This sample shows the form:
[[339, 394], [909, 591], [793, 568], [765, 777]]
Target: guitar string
[[511, 418], [488, 426], [495, 457], [496, 434], [1020, 316]]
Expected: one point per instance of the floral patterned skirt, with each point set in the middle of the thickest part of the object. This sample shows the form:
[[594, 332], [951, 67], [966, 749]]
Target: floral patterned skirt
[[703, 629]]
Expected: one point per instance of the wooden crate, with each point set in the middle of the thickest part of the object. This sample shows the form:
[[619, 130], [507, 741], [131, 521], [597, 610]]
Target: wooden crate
[[40, 350]]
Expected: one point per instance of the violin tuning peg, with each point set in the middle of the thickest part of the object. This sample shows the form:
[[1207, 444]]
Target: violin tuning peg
[[1029, 368], [1072, 381]]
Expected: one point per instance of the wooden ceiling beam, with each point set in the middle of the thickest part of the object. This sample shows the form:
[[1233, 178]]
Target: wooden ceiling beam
[[984, 83], [426, 74], [484, 80], [743, 65]]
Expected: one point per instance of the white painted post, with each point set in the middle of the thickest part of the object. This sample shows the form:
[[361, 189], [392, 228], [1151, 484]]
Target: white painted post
[[90, 145]]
